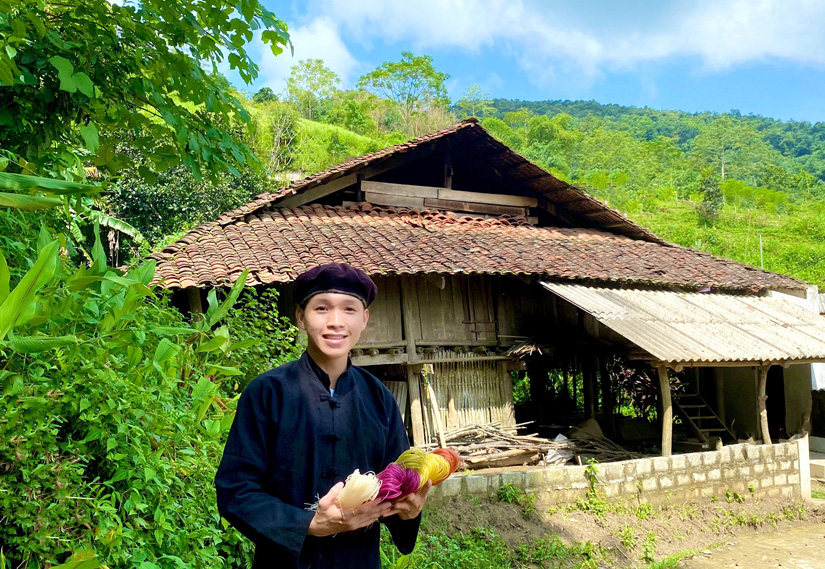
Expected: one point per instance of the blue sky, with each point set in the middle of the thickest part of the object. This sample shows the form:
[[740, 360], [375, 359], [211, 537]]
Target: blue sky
[[763, 57]]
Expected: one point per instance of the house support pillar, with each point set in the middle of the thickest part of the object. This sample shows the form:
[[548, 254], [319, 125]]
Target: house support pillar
[[760, 403], [193, 297], [667, 411]]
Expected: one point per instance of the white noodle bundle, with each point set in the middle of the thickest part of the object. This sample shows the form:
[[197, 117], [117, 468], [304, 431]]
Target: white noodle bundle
[[359, 488]]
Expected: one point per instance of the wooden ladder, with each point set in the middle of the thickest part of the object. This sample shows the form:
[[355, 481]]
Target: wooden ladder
[[699, 417]]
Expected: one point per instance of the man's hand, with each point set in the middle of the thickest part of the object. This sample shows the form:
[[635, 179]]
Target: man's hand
[[330, 519], [410, 506]]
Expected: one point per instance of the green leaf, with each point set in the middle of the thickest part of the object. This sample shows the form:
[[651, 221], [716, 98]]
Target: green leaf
[[98, 254], [115, 223], [90, 137], [171, 330], [65, 70], [165, 351], [80, 560], [23, 183], [17, 201], [43, 238], [39, 26], [212, 345], [224, 370], [216, 312], [5, 277], [19, 300], [84, 84], [36, 344]]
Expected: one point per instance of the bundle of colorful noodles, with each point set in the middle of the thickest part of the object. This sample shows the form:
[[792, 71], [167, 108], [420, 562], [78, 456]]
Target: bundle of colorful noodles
[[403, 477]]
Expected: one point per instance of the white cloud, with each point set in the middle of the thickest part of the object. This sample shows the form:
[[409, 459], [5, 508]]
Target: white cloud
[[551, 41], [319, 39]]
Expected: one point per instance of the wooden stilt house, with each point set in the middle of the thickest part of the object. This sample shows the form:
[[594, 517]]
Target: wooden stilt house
[[485, 262]]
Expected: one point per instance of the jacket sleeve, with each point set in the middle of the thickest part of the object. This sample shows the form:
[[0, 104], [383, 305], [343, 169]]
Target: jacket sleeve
[[240, 480], [404, 532]]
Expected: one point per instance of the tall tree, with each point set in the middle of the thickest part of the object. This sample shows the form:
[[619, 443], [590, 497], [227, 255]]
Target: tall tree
[[474, 103], [734, 149], [73, 72], [413, 83], [309, 83]]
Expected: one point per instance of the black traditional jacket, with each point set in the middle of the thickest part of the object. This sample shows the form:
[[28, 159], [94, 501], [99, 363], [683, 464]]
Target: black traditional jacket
[[291, 441]]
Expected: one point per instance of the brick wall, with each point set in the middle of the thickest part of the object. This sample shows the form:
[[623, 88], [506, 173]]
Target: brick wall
[[772, 470]]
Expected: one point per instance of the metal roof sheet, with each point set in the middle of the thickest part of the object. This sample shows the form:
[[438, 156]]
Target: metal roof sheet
[[689, 327]]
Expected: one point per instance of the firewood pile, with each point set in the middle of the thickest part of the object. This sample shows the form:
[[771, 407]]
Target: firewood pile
[[493, 445]]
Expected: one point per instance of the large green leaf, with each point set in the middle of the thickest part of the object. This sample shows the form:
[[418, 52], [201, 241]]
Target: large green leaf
[[36, 344], [115, 223], [216, 311], [18, 303], [23, 183], [65, 71], [18, 201]]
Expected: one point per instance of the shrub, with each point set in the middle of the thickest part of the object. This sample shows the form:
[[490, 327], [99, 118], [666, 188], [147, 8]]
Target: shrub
[[113, 414]]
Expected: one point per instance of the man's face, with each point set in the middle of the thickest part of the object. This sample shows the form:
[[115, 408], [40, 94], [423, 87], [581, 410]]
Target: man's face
[[333, 322]]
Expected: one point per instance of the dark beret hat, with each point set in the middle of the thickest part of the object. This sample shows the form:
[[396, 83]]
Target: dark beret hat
[[334, 277]]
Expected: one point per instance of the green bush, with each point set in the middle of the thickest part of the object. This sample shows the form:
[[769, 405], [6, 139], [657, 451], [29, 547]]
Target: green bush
[[113, 411]]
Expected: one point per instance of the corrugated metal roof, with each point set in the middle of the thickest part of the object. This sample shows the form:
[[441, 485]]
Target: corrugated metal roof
[[681, 327]]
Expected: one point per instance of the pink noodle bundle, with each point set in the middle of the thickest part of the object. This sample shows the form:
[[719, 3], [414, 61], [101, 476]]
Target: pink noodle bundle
[[397, 482]]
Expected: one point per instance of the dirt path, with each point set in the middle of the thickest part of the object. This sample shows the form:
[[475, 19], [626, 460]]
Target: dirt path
[[801, 547]]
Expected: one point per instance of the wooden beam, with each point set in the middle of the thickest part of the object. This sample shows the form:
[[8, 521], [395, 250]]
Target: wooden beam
[[398, 201], [405, 190], [379, 359], [760, 404], [452, 205], [485, 198], [667, 411], [433, 192]]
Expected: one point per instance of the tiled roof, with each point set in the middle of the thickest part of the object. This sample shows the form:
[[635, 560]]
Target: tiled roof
[[568, 200], [278, 244]]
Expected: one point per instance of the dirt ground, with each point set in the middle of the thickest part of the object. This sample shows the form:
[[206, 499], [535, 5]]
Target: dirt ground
[[632, 536], [796, 548]]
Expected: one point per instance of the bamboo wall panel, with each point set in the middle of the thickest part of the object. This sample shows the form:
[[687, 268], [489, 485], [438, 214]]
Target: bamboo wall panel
[[468, 392]]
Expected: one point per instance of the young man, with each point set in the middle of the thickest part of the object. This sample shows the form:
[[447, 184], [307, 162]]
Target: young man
[[303, 427]]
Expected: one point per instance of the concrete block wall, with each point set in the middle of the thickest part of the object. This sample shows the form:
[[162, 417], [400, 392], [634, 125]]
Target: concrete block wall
[[779, 470]]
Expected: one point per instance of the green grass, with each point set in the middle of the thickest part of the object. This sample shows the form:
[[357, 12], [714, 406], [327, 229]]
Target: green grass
[[323, 145]]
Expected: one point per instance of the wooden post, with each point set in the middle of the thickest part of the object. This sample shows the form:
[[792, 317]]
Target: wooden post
[[193, 294], [760, 404], [607, 395], [667, 411], [410, 320], [426, 373], [507, 384], [588, 384], [720, 395]]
